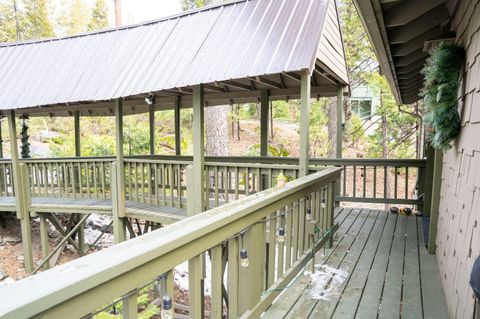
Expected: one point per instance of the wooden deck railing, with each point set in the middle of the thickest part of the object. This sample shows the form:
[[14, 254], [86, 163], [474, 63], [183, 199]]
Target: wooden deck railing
[[161, 180], [278, 230]]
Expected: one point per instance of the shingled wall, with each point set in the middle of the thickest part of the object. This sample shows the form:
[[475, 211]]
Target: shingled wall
[[458, 236]]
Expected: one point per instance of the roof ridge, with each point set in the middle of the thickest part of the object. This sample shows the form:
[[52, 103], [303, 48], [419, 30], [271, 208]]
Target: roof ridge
[[124, 27]]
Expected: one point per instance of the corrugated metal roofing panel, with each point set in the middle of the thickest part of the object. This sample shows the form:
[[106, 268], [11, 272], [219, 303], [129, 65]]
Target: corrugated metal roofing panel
[[238, 40]]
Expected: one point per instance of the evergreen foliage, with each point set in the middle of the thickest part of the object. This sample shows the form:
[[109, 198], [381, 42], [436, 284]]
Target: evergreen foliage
[[99, 18], [25, 144], [440, 91]]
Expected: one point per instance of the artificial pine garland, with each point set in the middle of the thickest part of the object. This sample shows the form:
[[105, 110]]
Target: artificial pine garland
[[440, 89], [25, 147]]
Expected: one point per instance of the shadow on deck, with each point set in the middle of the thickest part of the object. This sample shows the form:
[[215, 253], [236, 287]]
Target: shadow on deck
[[390, 273]]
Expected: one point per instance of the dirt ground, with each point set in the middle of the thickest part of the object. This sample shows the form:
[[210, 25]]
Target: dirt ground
[[11, 256]]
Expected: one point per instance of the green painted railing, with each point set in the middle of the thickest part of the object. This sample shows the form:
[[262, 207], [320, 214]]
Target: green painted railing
[[161, 180], [278, 229]]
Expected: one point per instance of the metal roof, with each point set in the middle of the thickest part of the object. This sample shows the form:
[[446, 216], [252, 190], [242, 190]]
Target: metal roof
[[253, 41], [398, 30]]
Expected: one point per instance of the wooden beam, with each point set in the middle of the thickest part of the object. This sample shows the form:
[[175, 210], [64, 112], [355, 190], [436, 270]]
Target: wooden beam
[[237, 85], [434, 211], [340, 123], [264, 104], [151, 121], [418, 42], [403, 34], [305, 95], [120, 175], [21, 193], [267, 82], [178, 129], [198, 148], [76, 120], [408, 10]]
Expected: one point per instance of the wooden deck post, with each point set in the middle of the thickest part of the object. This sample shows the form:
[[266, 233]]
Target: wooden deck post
[[1, 139], [198, 149], [21, 195], [120, 176], [436, 188], [340, 125], [178, 129], [76, 120], [264, 101], [304, 123], [151, 120], [428, 181], [338, 152]]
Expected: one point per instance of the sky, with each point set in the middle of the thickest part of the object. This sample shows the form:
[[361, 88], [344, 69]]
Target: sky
[[135, 11]]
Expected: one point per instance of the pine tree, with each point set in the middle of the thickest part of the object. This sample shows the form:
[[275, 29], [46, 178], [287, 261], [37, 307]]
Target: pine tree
[[99, 19], [25, 145], [36, 23], [78, 21]]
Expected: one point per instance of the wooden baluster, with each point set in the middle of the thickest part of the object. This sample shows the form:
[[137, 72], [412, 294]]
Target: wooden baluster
[[233, 284], [296, 229], [95, 184], [129, 306], [406, 182], [395, 183], [142, 181], [385, 182], [330, 211], [289, 236], [374, 182], [179, 186], [217, 282], [87, 176], [135, 180], [354, 181], [103, 175], [215, 180], [149, 183], [281, 248], [237, 182], [271, 250], [164, 188], [170, 182], [80, 179], [226, 184], [364, 186], [157, 183]]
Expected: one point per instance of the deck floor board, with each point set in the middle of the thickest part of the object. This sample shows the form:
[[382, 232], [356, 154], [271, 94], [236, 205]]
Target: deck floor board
[[390, 273]]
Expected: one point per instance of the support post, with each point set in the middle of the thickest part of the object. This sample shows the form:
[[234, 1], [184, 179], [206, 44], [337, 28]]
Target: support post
[[76, 119], [264, 101], [21, 196], [178, 131], [304, 123], [119, 229], [428, 182], [44, 239], [339, 142], [198, 149], [195, 265], [151, 120], [118, 196], [436, 188], [338, 152]]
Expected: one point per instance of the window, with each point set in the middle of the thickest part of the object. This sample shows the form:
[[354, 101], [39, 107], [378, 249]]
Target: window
[[363, 108]]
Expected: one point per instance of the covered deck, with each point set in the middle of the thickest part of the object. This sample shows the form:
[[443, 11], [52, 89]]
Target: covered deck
[[381, 269]]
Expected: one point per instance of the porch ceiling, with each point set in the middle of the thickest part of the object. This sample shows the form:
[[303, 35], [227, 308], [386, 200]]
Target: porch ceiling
[[235, 50], [398, 30]]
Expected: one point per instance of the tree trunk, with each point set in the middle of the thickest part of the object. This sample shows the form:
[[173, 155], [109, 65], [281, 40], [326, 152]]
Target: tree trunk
[[332, 128], [216, 130]]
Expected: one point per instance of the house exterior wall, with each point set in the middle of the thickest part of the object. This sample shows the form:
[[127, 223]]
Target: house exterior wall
[[458, 229]]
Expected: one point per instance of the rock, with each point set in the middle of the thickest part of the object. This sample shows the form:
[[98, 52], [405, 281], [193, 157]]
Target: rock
[[11, 239], [20, 258]]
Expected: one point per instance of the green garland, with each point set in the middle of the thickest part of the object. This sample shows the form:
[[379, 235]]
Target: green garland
[[440, 91], [25, 145]]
